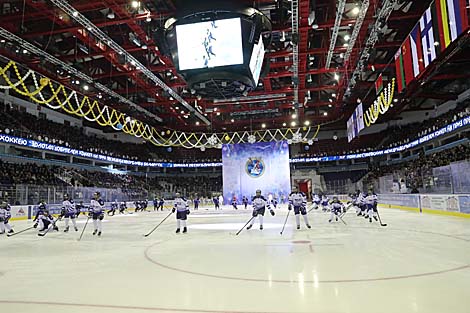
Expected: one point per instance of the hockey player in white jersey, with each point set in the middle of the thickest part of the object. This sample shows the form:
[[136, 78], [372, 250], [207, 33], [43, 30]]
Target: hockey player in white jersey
[[370, 204], [259, 204], [96, 212], [45, 220], [68, 212], [336, 209], [298, 202], [40, 210], [325, 201], [316, 201], [360, 203], [5, 215], [181, 207]]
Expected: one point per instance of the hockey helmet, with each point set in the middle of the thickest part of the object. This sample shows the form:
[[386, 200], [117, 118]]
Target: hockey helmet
[[66, 196], [258, 192], [177, 195], [97, 194], [3, 204]]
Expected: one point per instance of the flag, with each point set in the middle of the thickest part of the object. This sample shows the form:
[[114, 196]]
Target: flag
[[379, 84], [360, 117], [416, 51], [399, 71], [440, 23], [407, 60], [454, 11], [427, 37]]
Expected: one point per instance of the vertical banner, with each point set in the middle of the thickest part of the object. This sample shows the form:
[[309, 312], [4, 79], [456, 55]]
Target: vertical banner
[[248, 167]]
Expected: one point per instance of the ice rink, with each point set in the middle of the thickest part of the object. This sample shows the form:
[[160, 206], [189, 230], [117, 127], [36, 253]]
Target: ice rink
[[418, 263]]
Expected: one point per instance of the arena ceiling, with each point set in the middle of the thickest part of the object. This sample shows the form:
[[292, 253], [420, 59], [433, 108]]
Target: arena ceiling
[[325, 65]]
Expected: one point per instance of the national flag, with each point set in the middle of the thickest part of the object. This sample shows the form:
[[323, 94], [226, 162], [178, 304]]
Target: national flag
[[399, 71], [379, 84], [454, 11], [416, 51], [360, 117], [407, 60], [427, 37], [440, 23]]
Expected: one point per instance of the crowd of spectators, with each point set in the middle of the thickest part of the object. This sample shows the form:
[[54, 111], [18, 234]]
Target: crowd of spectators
[[413, 172], [12, 174]]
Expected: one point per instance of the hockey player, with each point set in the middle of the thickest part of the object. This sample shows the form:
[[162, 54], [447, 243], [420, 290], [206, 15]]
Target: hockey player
[[234, 202], [196, 203], [259, 204], [245, 201], [316, 201], [5, 215], [122, 207], [370, 204], [114, 207], [181, 208], [324, 203], [39, 213], [79, 208], [216, 202], [46, 221], [336, 209], [298, 202], [68, 212], [97, 212], [274, 202], [155, 204], [161, 203], [360, 204]]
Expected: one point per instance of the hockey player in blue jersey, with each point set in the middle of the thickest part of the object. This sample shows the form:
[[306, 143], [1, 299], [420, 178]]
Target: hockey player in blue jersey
[[114, 207], [196, 202], [68, 212], [5, 215], [245, 201], [234, 202], [336, 209], [298, 202], [259, 204], [97, 213], [215, 199], [41, 208], [181, 208]]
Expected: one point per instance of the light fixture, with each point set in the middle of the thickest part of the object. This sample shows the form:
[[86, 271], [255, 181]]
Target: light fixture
[[110, 15], [355, 11], [336, 76], [331, 100], [85, 87], [330, 105], [197, 123], [171, 98], [395, 100], [293, 124], [284, 124], [177, 108], [215, 109], [306, 123], [347, 37], [325, 113], [294, 116], [148, 19], [333, 95], [263, 125], [218, 113], [144, 47], [341, 55], [75, 13], [345, 44], [182, 112], [135, 4], [232, 120]]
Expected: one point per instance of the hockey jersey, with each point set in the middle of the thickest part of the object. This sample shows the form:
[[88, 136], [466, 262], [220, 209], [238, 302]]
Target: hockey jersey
[[181, 204], [69, 206], [297, 199], [97, 206], [259, 202]]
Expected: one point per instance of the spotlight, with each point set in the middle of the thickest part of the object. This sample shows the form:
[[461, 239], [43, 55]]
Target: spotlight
[[325, 113], [336, 76], [355, 11], [263, 125], [306, 123], [293, 124], [294, 116], [75, 14], [284, 124], [85, 87], [347, 37], [197, 123], [135, 4]]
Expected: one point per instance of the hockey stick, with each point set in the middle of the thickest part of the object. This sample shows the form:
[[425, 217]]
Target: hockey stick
[[146, 235], [314, 207], [339, 216], [378, 215], [83, 230], [347, 209], [238, 232], [49, 228], [283, 226], [21, 231]]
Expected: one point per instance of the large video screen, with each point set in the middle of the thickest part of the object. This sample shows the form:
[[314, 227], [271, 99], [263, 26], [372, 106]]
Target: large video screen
[[262, 165], [256, 61], [209, 44]]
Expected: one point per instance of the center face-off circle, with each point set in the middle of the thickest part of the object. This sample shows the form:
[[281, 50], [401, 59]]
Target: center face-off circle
[[321, 257]]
